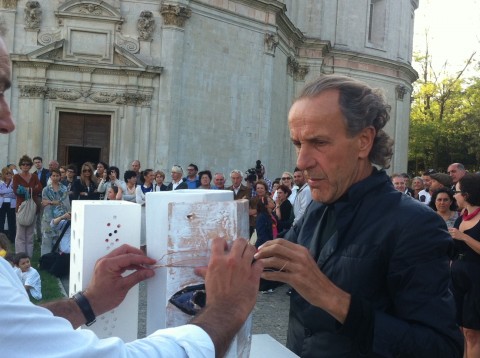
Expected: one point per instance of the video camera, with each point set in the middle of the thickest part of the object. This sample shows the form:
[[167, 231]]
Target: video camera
[[252, 174]]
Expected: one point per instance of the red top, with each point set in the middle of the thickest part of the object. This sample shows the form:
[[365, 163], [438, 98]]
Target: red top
[[34, 184]]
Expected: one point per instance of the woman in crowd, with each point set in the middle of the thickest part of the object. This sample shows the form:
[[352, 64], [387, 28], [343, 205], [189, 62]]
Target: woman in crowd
[[102, 170], [63, 172], [465, 268], [23, 182], [444, 204], [101, 173], [283, 209], [142, 190], [130, 194], [159, 178], [263, 222], [261, 187], [55, 203], [8, 201], [112, 193], [205, 180], [287, 180], [417, 186], [85, 188], [112, 179]]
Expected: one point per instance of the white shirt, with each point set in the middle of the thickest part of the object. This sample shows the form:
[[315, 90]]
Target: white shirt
[[31, 278], [303, 198], [428, 197], [32, 331]]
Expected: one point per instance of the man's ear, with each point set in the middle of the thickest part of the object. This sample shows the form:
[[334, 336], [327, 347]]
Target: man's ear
[[365, 141]]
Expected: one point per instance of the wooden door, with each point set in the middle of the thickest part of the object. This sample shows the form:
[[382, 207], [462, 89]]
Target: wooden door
[[83, 137]]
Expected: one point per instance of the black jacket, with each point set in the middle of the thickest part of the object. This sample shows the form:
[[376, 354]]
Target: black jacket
[[390, 252], [182, 185]]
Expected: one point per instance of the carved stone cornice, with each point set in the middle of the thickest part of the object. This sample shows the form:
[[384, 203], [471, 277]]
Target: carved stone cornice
[[145, 25], [271, 43], [32, 15], [134, 99], [175, 15], [33, 91], [69, 94], [8, 4]]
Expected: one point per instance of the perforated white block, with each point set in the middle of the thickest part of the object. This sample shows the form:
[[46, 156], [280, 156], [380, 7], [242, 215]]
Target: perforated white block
[[180, 227], [98, 227]]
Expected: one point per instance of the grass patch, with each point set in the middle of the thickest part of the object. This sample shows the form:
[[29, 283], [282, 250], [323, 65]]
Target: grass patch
[[50, 284]]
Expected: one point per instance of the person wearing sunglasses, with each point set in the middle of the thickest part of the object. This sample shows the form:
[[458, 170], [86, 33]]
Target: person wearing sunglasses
[[85, 188], [22, 183]]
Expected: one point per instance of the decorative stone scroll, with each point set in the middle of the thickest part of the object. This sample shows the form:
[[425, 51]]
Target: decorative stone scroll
[[145, 25], [271, 43], [33, 15], [400, 92], [127, 43], [46, 38], [175, 15]]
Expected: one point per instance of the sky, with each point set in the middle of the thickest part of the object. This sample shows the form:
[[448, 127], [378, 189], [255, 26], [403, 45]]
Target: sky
[[453, 32]]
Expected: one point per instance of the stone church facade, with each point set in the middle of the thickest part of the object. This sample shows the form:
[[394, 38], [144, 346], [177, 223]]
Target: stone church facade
[[202, 81]]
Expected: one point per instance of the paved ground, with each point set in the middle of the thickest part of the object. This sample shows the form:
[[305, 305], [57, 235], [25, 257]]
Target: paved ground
[[270, 314]]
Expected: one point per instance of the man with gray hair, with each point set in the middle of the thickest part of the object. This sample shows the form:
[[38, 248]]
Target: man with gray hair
[[456, 172], [219, 181], [177, 181], [369, 267], [240, 191]]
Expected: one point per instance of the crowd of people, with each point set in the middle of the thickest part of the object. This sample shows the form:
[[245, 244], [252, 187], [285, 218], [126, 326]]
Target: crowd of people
[[273, 206], [455, 197], [371, 269]]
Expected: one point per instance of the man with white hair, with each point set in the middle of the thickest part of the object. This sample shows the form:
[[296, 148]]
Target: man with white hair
[[240, 191], [177, 181]]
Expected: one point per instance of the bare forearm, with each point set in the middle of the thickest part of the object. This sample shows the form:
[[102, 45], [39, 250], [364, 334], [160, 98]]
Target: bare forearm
[[220, 324], [68, 309]]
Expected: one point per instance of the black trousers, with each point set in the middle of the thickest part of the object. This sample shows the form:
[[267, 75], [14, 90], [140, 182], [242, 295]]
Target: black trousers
[[9, 213]]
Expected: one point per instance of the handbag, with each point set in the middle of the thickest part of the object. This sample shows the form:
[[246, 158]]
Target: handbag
[[26, 211], [58, 264]]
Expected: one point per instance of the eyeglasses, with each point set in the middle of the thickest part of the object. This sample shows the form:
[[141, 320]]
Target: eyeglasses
[[287, 178], [86, 171], [457, 191], [27, 164]]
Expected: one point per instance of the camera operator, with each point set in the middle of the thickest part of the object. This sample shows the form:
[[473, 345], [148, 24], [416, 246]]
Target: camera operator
[[259, 175]]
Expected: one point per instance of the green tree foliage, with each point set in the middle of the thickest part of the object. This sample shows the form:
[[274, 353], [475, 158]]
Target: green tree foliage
[[444, 120]]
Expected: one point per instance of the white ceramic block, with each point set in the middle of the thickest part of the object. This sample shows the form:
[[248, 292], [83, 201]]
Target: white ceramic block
[[98, 227], [180, 227]]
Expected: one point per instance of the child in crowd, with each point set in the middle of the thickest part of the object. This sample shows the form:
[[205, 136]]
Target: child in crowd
[[4, 245], [30, 276]]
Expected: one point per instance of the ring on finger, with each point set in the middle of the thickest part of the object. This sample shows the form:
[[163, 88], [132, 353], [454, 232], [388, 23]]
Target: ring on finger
[[283, 267]]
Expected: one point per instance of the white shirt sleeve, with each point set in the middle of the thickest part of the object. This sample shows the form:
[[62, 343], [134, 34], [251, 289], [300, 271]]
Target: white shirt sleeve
[[303, 198], [32, 331]]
